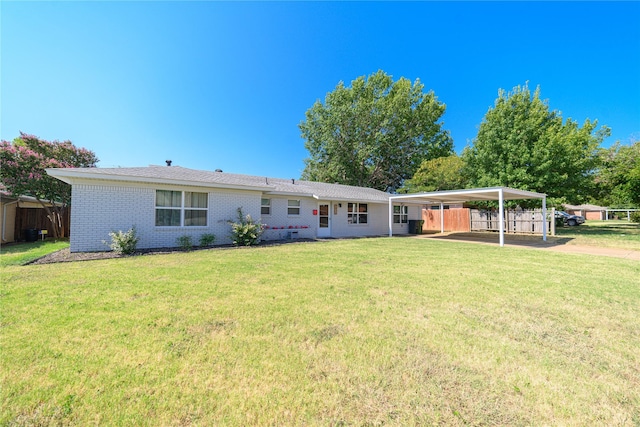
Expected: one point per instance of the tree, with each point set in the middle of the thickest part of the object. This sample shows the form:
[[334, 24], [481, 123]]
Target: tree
[[375, 133], [22, 172], [618, 178], [522, 144], [443, 173]]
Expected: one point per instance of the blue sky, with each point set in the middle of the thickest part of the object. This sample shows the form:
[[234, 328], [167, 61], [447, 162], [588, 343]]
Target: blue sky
[[225, 84]]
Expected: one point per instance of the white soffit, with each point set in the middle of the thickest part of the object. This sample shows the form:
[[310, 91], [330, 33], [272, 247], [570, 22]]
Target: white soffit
[[467, 195]]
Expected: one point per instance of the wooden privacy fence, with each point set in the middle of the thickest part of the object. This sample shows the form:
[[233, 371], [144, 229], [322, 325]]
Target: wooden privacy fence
[[465, 220], [455, 219], [515, 221], [36, 218]]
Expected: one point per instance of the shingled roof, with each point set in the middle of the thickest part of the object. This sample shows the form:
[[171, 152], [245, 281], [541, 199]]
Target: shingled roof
[[184, 176]]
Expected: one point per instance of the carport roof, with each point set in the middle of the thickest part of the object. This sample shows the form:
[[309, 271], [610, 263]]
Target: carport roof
[[467, 195]]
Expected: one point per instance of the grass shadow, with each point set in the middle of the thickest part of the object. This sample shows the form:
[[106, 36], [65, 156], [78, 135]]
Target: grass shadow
[[494, 238]]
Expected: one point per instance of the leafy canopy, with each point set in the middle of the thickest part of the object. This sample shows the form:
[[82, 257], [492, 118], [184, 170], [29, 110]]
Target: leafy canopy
[[375, 133], [618, 178], [443, 173], [522, 144], [22, 171]]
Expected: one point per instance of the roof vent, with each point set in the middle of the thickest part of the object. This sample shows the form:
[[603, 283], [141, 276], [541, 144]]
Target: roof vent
[[293, 181], [218, 170], [168, 162]]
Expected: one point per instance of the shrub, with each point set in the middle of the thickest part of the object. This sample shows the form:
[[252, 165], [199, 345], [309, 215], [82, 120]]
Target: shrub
[[185, 242], [245, 231], [123, 242], [635, 216], [207, 239]]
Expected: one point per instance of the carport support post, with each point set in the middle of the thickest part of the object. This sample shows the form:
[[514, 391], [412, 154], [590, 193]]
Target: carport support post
[[441, 217], [544, 219], [501, 215]]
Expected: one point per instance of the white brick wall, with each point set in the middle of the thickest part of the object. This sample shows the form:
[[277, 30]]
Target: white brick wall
[[378, 221], [280, 218], [99, 208]]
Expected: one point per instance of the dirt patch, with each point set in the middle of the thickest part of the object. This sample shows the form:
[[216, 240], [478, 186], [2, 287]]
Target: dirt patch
[[556, 244]]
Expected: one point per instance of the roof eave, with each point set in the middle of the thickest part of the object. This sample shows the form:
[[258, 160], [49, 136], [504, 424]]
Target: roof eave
[[71, 177]]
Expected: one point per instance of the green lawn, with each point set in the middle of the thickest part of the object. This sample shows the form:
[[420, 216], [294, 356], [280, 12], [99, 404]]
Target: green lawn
[[22, 253], [342, 333], [613, 233]]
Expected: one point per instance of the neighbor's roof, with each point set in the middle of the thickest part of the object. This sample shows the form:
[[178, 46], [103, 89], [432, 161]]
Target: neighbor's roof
[[467, 195], [176, 175], [585, 207]]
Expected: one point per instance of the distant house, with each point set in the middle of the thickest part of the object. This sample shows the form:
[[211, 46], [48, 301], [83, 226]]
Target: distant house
[[587, 211], [166, 202]]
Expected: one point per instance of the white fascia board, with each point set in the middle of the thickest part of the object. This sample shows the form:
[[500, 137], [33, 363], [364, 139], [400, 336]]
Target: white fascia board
[[75, 177]]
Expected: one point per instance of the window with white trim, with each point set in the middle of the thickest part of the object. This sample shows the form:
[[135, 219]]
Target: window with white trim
[[400, 214], [181, 208], [293, 207], [357, 213], [265, 207]]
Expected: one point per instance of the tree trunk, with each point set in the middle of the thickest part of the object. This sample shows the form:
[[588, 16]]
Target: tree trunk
[[54, 218]]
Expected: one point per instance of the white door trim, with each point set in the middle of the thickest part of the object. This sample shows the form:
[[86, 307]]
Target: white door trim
[[324, 220]]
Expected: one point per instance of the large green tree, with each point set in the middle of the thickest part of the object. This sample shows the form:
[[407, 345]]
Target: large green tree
[[618, 178], [443, 173], [521, 143], [375, 133], [22, 171]]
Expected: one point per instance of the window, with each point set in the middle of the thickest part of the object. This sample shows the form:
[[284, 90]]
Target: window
[[293, 207], [437, 207], [357, 213], [400, 214], [181, 208], [265, 208]]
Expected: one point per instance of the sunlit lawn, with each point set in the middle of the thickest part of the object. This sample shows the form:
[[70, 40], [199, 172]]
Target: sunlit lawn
[[612, 233], [354, 332], [22, 253]]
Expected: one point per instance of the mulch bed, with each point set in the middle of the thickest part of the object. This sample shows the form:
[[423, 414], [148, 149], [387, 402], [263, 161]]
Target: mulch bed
[[65, 255]]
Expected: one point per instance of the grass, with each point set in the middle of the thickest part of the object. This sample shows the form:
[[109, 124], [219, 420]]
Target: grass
[[612, 233], [22, 253], [351, 332]]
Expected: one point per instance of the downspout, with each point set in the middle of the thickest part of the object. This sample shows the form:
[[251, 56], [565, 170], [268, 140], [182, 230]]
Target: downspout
[[441, 217], [4, 219], [390, 217]]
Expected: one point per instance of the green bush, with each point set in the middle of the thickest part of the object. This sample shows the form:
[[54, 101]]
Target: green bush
[[207, 239], [123, 242], [185, 242], [245, 231], [635, 216]]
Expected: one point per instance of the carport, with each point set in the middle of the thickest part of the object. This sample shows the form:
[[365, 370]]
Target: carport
[[471, 195]]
